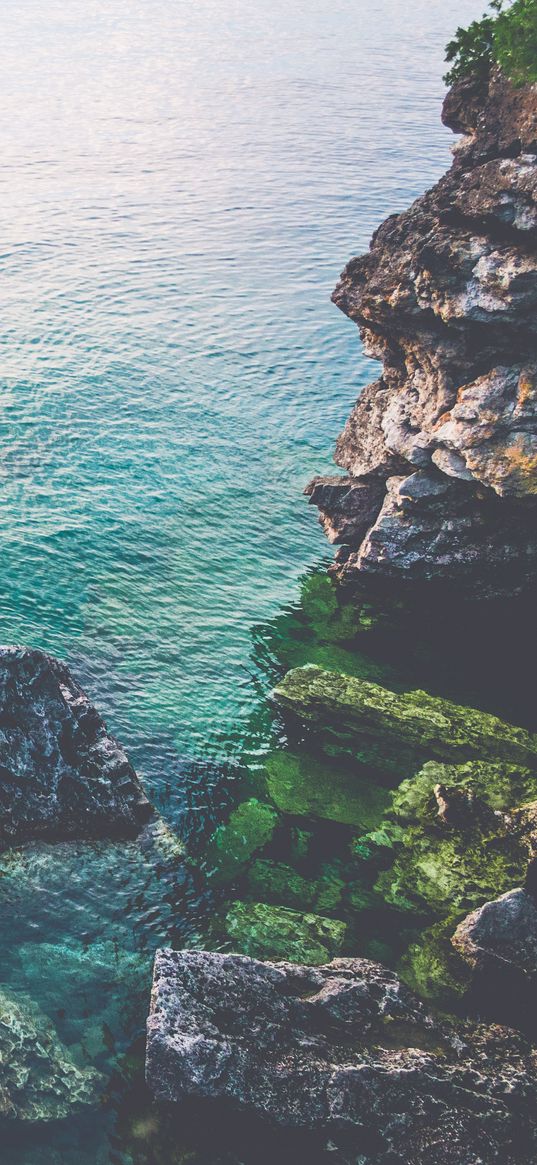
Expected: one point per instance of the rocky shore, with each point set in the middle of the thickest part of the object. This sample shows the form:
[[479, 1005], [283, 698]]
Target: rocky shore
[[436, 870], [439, 452], [370, 886]]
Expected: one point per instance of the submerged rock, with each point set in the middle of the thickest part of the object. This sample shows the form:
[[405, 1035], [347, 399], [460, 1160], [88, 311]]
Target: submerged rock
[[394, 731], [439, 453], [276, 881], [233, 844], [499, 785], [99, 991], [61, 774], [306, 787], [345, 1048], [273, 932], [39, 1080]]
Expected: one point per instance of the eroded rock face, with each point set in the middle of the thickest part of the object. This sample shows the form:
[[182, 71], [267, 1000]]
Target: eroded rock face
[[343, 1047], [61, 774], [440, 452]]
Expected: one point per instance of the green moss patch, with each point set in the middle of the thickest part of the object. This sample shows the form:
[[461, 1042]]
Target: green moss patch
[[307, 787]]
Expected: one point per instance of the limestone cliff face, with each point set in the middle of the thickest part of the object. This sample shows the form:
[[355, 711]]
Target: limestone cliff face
[[440, 452]]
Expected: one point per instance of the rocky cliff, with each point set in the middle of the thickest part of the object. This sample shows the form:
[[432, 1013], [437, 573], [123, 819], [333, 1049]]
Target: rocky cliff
[[440, 451]]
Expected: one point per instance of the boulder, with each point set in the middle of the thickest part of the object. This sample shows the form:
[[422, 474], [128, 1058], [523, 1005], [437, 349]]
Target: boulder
[[395, 731], [277, 882], [39, 1079], [502, 932], [345, 1048], [304, 786], [248, 829], [61, 774]]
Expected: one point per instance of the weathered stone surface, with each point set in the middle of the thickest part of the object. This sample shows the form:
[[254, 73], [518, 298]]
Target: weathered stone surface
[[344, 1047], [391, 730], [503, 931], [61, 774], [39, 1080], [274, 932], [440, 451], [490, 433]]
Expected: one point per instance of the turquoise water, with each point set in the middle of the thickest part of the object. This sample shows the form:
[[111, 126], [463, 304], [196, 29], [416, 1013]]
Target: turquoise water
[[180, 187]]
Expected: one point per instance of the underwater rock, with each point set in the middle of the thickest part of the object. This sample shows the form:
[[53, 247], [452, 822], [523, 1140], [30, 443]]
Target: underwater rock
[[248, 829], [439, 453], [395, 731], [273, 932], [39, 1080], [345, 1048], [434, 970], [275, 881], [61, 774], [304, 786], [503, 932], [499, 785], [99, 990]]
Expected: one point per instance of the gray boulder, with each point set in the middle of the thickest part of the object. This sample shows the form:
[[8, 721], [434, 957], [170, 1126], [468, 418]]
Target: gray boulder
[[61, 774], [345, 1048], [503, 931]]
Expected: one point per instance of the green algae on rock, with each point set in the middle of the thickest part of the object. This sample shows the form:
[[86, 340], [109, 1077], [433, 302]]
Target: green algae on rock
[[39, 1079], [433, 969], [446, 871], [306, 787], [498, 785], [273, 932], [394, 731], [231, 846], [275, 881]]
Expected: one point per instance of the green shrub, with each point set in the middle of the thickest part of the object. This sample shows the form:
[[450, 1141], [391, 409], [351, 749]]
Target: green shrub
[[507, 38]]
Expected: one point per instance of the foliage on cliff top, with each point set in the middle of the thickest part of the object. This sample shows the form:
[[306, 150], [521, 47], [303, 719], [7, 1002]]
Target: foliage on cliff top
[[506, 37]]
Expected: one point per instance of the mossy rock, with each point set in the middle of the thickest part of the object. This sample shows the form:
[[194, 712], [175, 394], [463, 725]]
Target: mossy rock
[[498, 785], [272, 932], [433, 969], [277, 882], [306, 787], [447, 871], [249, 829], [325, 613], [397, 731]]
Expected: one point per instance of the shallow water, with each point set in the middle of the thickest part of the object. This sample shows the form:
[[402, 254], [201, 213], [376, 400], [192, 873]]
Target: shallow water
[[180, 187]]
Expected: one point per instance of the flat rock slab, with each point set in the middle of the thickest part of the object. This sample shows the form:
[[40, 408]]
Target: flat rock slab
[[61, 774], [391, 730], [344, 1046]]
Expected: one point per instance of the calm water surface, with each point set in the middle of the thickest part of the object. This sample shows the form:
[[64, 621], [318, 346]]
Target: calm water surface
[[180, 186]]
